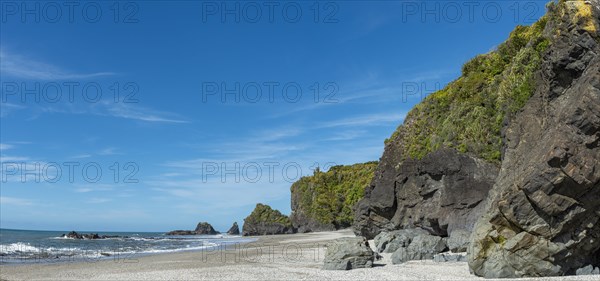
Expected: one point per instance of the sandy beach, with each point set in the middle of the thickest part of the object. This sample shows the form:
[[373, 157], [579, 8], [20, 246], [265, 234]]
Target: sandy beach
[[277, 257]]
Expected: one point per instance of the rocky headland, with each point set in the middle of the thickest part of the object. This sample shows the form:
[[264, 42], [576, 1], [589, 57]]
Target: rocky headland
[[203, 228], [265, 221]]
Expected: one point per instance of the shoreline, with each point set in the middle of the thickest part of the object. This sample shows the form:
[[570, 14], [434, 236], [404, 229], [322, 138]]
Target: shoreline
[[274, 257], [123, 256]]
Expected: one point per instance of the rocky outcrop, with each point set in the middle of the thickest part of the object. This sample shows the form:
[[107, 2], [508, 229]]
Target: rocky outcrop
[[450, 257], [542, 216], [205, 228], [75, 235], [418, 244], [181, 232], [265, 221], [422, 247], [459, 240], [324, 201], [234, 230], [440, 193], [348, 253], [588, 270], [389, 242]]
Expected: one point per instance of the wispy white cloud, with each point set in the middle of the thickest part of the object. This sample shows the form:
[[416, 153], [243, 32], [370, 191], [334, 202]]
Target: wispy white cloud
[[103, 152], [98, 200], [15, 201], [373, 89], [111, 109], [346, 135], [7, 108], [81, 156], [4, 146], [277, 134], [136, 112], [108, 151], [366, 120], [219, 196], [19, 66], [6, 158], [95, 187]]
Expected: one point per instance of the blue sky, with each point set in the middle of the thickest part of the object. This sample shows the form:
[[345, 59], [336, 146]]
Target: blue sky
[[163, 143]]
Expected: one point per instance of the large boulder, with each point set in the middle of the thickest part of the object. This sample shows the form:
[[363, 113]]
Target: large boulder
[[422, 247], [348, 253], [459, 240], [543, 215], [265, 221], [205, 228], [234, 229], [439, 193], [450, 257], [588, 270], [389, 242]]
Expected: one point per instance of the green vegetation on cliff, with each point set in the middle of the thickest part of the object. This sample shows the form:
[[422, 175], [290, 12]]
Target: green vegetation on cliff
[[328, 197], [468, 114], [265, 214]]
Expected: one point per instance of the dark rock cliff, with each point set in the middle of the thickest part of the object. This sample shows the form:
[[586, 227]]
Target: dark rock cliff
[[437, 193], [439, 165], [542, 216], [510, 151]]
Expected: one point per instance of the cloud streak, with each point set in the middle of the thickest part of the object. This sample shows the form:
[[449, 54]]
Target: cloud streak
[[366, 120], [4, 146], [15, 201], [23, 67], [139, 113]]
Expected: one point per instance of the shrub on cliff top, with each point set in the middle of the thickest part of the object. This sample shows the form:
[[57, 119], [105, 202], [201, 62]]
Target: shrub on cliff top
[[265, 214], [468, 114], [328, 197]]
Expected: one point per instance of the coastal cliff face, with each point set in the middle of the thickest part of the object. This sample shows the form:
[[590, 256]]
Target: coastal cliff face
[[324, 201], [440, 193], [542, 216], [439, 165], [265, 221]]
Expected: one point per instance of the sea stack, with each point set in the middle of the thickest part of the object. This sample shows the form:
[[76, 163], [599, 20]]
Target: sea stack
[[266, 221], [205, 228], [234, 230]]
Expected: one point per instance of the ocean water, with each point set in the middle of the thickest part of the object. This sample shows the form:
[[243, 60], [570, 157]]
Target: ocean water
[[27, 246]]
